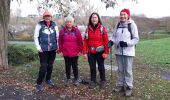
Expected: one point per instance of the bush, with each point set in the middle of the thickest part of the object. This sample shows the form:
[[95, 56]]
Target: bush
[[19, 54]]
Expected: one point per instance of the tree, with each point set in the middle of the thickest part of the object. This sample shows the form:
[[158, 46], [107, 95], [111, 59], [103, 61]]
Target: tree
[[113, 3], [83, 12], [5, 15], [4, 20]]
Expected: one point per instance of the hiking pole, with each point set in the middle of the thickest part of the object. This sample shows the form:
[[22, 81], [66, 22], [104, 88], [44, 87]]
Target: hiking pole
[[110, 56]]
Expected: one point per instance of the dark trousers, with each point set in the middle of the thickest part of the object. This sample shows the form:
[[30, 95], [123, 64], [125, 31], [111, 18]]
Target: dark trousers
[[46, 65], [92, 59], [71, 61]]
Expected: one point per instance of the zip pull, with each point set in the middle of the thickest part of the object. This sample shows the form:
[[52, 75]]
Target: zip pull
[[122, 30]]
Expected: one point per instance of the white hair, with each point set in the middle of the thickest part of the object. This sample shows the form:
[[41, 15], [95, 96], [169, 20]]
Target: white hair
[[69, 18]]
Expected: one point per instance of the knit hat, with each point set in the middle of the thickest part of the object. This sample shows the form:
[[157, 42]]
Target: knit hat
[[126, 11], [47, 13]]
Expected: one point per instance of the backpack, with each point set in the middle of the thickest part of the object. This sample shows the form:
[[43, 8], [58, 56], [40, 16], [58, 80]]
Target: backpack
[[87, 29], [73, 33], [129, 29]]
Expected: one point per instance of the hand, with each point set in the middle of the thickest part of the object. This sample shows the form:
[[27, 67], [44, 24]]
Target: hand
[[57, 51], [85, 56], [123, 44], [79, 54], [39, 50], [110, 43], [104, 55], [61, 54]]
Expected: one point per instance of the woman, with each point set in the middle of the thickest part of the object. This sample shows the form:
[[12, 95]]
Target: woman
[[70, 46], [45, 38], [96, 48], [125, 37]]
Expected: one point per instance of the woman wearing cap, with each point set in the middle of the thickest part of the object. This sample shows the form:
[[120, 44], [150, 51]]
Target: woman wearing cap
[[70, 47], [96, 48], [45, 38], [125, 37]]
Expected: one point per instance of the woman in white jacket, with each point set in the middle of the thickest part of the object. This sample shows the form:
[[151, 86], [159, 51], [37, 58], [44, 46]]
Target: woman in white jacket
[[125, 37]]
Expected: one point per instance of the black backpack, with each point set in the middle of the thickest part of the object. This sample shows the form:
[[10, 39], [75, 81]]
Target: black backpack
[[129, 29]]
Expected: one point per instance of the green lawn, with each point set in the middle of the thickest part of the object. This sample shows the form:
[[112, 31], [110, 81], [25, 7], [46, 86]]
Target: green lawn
[[156, 52]]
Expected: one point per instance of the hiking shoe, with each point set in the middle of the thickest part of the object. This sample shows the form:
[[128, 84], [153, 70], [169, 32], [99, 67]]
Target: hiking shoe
[[50, 83], [128, 91], [77, 82], [118, 89], [102, 85], [92, 85], [38, 88], [67, 82]]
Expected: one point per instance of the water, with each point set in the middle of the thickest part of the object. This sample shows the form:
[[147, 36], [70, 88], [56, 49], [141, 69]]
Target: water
[[165, 75]]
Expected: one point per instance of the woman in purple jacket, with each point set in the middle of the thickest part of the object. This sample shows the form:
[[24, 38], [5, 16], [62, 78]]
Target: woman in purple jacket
[[70, 47]]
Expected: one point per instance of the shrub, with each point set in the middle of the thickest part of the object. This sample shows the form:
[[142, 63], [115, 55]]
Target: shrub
[[19, 54]]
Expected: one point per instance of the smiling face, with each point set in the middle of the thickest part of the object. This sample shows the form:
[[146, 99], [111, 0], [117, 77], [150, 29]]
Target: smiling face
[[69, 23], [94, 19], [123, 16], [47, 18]]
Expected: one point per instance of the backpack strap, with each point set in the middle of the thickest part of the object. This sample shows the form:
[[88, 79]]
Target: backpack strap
[[87, 31], [129, 29], [72, 33], [117, 25], [101, 29]]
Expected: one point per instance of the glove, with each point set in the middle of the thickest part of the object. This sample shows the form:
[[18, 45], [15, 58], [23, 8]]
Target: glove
[[110, 43], [123, 44]]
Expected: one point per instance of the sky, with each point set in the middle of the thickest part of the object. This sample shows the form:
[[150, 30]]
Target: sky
[[149, 8]]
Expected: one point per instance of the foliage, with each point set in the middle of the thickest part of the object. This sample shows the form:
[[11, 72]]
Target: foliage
[[19, 54]]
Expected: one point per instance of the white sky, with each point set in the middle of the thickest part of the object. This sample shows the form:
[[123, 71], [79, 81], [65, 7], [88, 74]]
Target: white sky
[[150, 8]]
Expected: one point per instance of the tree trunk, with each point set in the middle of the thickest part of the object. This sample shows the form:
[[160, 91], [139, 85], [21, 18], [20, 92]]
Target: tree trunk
[[4, 20]]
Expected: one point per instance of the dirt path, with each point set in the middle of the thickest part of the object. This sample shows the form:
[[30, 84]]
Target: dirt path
[[15, 93]]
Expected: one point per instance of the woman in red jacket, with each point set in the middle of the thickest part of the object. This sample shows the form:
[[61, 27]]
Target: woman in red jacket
[[96, 48], [70, 46]]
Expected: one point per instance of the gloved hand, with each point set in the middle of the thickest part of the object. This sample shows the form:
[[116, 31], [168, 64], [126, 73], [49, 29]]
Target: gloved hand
[[110, 43], [123, 44]]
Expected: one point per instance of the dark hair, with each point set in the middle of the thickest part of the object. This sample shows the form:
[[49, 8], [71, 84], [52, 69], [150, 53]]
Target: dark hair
[[99, 19]]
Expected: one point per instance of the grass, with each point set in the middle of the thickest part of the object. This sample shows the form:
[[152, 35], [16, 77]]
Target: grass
[[152, 57], [155, 52]]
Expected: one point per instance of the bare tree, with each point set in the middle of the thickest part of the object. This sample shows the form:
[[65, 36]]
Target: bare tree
[[4, 20], [83, 12], [113, 3]]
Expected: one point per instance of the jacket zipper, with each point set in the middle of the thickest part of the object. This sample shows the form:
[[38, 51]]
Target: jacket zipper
[[49, 44]]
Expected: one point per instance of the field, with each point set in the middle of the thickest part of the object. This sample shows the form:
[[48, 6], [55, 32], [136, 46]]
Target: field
[[151, 68]]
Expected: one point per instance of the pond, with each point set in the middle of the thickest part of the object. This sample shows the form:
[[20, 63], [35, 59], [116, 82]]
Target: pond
[[165, 75]]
